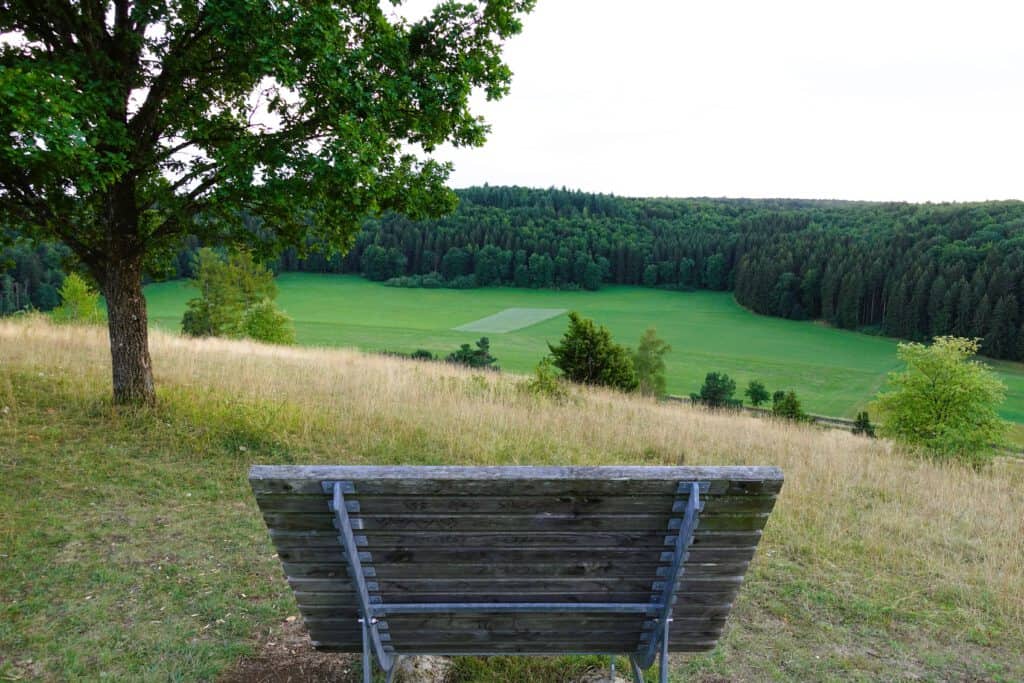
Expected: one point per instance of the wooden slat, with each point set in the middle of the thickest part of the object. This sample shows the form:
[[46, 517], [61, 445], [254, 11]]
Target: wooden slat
[[463, 621], [509, 523], [374, 505], [498, 481], [393, 590], [505, 556], [597, 569], [519, 540]]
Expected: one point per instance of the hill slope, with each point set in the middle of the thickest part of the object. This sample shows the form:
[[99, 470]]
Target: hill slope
[[132, 547]]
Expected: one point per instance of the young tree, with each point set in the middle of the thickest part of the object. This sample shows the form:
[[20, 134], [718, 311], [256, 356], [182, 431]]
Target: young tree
[[943, 400], [862, 425], [79, 303], [785, 404], [717, 391], [587, 355], [480, 357], [756, 392], [649, 361], [236, 299], [125, 126]]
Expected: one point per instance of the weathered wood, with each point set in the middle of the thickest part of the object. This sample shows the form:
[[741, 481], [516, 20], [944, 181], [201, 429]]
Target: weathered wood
[[521, 540], [395, 589], [551, 620], [509, 523], [580, 569], [499, 535], [498, 481], [376, 505], [401, 556]]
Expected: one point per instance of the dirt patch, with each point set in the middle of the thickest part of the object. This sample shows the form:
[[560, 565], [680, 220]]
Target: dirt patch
[[286, 656]]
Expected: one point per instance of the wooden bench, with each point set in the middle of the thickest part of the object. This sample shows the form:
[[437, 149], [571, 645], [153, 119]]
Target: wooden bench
[[634, 561]]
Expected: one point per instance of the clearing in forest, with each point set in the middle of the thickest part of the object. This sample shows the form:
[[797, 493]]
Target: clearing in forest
[[510, 320]]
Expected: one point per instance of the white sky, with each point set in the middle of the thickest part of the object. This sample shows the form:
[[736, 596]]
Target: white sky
[[895, 100]]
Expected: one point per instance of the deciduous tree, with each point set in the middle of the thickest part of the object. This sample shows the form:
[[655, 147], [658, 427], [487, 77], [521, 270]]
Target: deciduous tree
[[649, 361], [125, 125], [943, 400]]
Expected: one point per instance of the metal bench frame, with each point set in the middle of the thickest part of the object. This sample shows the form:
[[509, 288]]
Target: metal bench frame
[[373, 611]]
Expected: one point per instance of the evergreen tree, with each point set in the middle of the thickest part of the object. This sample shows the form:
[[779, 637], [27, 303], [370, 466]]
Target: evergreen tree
[[756, 393], [717, 391], [586, 354], [479, 357]]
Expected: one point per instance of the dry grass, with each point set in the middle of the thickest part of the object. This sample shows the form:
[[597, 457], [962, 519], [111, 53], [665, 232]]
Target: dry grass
[[868, 536]]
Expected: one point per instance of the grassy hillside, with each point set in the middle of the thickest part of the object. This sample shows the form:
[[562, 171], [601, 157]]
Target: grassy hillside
[[835, 372], [131, 548]]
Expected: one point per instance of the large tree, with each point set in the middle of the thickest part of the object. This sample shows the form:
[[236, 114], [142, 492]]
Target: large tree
[[127, 125]]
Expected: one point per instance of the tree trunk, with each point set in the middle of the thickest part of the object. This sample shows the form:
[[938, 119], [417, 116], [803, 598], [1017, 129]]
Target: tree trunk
[[129, 339]]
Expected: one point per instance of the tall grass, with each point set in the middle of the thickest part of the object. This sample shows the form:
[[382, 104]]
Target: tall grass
[[863, 534]]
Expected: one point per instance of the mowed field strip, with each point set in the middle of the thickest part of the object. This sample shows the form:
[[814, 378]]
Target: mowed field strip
[[510, 320], [835, 372]]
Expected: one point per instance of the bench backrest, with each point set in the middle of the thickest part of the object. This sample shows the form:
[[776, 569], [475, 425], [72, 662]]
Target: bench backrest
[[585, 557]]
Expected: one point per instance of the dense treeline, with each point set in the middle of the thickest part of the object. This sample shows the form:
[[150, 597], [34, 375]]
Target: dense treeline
[[906, 270], [30, 277]]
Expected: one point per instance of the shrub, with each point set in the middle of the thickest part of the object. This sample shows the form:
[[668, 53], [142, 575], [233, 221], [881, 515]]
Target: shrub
[[480, 357], [264, 322], [79, 303], [862, 425], [786, 405], [717, 391], [546, 381], [757, 393], [943, 401], [586, 354]]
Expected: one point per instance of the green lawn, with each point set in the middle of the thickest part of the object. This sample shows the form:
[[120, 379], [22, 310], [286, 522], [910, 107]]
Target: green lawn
[[835, 372]]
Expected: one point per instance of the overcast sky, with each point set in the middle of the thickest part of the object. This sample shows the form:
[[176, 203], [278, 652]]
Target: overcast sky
[[894, 100]]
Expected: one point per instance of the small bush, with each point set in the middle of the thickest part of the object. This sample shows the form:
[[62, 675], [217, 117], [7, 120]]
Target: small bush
[[786, 405], [264, 322], [480, 357], [862, 425], [756, 393], [546, 381], [79, 303], [717, 391]]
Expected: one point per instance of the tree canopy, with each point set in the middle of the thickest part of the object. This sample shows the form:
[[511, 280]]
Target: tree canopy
[[125, 126]]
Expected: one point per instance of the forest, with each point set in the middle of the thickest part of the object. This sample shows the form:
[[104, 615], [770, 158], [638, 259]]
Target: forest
[[912, 271]]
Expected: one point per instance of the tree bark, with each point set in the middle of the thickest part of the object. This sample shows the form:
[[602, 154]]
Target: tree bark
[[129, 339]]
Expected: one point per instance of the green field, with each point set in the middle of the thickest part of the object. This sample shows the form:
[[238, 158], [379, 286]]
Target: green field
[[835, 372]]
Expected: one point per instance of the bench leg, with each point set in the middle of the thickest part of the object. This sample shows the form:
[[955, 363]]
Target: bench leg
[[663, 664], [638, 675], [367, 657]]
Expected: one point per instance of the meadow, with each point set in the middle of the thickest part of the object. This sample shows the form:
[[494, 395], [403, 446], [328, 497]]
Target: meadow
[[131, 547], [835, 372]]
